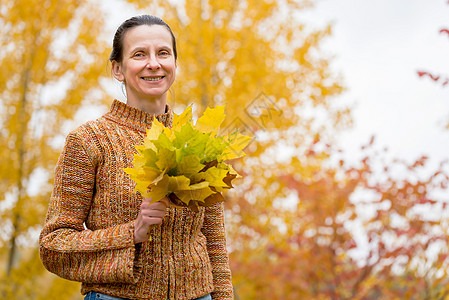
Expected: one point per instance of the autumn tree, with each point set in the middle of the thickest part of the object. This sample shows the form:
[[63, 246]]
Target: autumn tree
[[370, 231], [52, 57]]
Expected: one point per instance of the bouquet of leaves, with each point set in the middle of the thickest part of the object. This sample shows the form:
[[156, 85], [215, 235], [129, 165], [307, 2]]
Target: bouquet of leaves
[[186, 163]]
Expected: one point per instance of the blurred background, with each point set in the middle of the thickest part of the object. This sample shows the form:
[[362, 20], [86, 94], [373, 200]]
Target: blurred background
[[345, 186]]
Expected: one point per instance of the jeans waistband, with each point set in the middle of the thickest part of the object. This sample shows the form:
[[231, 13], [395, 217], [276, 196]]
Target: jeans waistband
[[100, 296]]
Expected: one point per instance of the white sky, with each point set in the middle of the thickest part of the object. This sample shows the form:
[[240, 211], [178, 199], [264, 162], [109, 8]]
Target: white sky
[[378, 46]]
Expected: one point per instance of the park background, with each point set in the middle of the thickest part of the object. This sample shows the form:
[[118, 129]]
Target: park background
[[345, 188]]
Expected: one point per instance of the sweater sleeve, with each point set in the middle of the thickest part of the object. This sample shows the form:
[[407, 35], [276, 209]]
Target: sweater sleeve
[[67, 248], [214, 231]]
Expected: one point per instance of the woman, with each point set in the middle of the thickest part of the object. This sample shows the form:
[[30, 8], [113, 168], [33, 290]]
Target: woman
[[97, 229]]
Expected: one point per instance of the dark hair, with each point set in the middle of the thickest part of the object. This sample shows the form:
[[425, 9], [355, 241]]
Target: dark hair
[[117, 44]]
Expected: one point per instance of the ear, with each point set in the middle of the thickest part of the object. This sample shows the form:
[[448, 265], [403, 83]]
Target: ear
[[117, 71]]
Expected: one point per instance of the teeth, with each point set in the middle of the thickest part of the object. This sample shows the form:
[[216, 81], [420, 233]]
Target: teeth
[[152, 78]]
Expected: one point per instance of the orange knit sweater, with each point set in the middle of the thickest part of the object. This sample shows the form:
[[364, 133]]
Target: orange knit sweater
[[88, 233]]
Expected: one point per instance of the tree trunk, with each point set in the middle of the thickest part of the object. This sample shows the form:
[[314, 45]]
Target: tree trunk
[[20, 156]]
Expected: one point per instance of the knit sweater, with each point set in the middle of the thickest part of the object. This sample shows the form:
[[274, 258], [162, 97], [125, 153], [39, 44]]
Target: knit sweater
[[88, 233]]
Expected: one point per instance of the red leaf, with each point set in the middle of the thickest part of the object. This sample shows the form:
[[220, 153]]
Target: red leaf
[[434, 78], [444, 30], [421, 73]]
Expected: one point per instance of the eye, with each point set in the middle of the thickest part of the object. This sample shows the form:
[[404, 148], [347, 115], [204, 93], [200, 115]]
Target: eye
[[164, 53], [138, 54]]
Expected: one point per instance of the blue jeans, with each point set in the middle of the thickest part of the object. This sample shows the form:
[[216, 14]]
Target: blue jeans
[[100, 296], [207, 297]]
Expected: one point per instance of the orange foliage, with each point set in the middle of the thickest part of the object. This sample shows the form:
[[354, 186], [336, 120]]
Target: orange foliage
[[354, 233]]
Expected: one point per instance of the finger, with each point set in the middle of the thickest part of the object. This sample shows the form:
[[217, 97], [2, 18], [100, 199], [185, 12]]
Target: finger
[[157, 206], [146, 200], [155, 220], [149, 220], [165, 200], [154, 214]]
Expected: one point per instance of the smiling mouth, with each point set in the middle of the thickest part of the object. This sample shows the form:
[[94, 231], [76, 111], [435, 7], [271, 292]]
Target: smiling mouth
[[152, 78]]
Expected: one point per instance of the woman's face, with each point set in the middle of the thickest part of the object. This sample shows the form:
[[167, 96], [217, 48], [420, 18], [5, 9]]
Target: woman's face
[[148, 65]]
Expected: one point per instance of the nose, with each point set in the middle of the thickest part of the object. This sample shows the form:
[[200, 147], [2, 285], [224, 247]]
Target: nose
[[152, 63]]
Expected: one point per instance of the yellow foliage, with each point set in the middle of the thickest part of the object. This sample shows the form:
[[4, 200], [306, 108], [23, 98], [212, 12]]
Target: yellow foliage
[[186, 162], [45, 45]]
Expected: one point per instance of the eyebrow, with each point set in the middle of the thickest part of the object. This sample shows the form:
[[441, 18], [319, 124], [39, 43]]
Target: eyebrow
[[142, 48]]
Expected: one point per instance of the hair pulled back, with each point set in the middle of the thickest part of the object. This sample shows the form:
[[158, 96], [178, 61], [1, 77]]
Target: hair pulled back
[[117, 44]]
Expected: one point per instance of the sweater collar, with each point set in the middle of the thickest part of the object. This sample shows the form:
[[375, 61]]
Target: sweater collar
[[135, 118]]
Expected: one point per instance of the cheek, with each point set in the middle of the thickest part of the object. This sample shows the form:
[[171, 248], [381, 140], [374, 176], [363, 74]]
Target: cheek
[[134, 67], [173, 69], [173, 76]]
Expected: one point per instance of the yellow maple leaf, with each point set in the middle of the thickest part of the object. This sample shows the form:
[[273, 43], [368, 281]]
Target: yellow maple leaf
[[183, 118], [178, 183], [214, 176], [198, 194], [237, 142], [211, 120]]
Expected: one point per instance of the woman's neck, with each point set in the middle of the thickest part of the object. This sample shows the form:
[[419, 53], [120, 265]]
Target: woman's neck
[[151, 106]]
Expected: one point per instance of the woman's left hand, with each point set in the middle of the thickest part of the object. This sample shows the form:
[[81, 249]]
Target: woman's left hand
[[149, 214]]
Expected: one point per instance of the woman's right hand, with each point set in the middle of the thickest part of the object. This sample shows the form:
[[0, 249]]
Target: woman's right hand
[[149, 214]]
